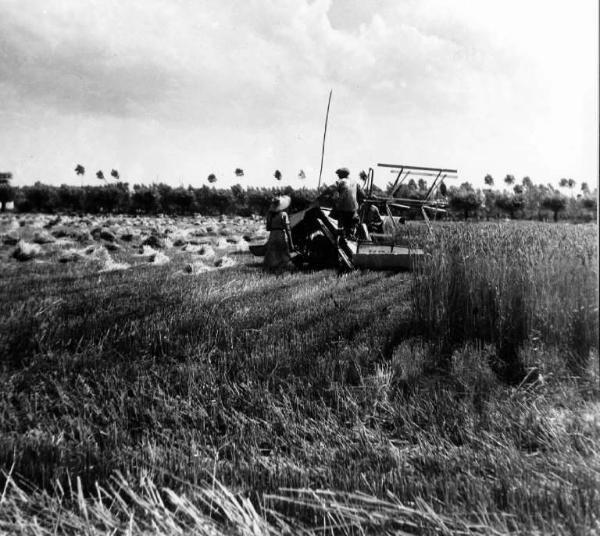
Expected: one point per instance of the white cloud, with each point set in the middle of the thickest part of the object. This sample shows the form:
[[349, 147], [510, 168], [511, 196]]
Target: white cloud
[[179, 89]]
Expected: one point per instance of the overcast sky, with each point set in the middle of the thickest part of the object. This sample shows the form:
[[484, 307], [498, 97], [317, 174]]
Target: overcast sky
[[173, 90]]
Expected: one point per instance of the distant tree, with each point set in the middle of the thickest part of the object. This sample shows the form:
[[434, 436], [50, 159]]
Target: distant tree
[[202, 198], [287, 190], [212, 178], [555, 202], [465, 199], [489, 203], [7, 194], [518, 189], [116, 197], [258, 200], [165, 197], [79, 169], [181, 200], [71, 197], [100, 175], [532, 196], [509, 179], [489, 180], [277, 175], [509, 203], [106, 198], [178, 200], [222, 201], [239, 196], [115, 174], [302, 198], [590, 203], [145, 199], [38, 198], [408, 190], [239, 172]]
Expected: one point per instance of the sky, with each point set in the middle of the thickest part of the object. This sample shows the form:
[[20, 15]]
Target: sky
[[173, 90]]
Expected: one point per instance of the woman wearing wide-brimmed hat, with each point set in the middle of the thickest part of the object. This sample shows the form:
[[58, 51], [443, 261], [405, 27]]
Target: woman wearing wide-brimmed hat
[[277, 254]]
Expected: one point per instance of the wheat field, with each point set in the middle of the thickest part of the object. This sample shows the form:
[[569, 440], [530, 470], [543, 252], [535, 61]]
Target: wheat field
[[200, 395]]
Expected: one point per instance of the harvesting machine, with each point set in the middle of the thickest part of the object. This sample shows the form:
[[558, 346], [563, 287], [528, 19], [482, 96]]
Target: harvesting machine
[[320, 244]]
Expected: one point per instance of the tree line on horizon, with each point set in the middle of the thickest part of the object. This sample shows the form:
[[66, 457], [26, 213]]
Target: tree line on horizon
[[525, 200], [517, 200]]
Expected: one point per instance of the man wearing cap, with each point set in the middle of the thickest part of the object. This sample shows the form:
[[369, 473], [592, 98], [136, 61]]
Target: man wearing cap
[[349, 195]]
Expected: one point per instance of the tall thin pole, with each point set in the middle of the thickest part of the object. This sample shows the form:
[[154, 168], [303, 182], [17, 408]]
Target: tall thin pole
[[324, 134]]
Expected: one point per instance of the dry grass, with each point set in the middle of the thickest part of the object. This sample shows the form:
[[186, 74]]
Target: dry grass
[[320, 402], [212, 509]]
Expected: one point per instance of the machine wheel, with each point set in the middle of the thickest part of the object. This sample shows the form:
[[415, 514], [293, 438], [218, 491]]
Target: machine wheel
[[320, 252]]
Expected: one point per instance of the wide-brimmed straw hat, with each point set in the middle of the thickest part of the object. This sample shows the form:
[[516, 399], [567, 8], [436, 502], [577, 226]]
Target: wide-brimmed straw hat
[[280, 203]]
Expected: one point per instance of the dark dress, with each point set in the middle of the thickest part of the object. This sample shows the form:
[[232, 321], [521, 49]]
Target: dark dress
[[277, 254]]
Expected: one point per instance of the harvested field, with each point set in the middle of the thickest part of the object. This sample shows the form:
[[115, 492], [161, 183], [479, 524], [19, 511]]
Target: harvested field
[[201, 395], [115, 243]]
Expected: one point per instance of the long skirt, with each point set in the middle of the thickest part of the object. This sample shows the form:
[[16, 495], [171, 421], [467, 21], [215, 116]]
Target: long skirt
[[277, 254]]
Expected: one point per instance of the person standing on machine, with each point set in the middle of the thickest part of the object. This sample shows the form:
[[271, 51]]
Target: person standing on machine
[[349, 196]]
